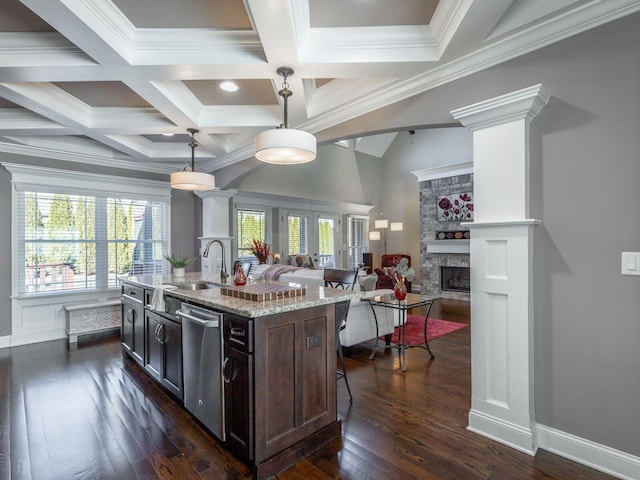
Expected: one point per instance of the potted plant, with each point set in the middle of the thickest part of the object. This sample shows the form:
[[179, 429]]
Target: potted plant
[[179, 262]]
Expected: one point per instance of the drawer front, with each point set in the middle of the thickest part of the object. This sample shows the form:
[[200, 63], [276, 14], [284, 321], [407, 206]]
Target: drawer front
[[238, 332], [133, 293]]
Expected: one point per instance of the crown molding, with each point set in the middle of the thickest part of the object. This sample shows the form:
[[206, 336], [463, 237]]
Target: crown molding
[[95, 160], [41, 175], [41, 48], [519, 105], [445, 171], [297, 204]]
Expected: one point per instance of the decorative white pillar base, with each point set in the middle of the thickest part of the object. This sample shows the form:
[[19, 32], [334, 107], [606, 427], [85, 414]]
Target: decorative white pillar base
[[501, 333]]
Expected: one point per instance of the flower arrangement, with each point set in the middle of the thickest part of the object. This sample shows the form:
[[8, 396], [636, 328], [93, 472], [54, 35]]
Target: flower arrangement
[[260, 249], [402, 269], [179, 261]]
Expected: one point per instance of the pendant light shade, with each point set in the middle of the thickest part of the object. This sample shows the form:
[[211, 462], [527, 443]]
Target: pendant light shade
[[285, 146], [189, 179]]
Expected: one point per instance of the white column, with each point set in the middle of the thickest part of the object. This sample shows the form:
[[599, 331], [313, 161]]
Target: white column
[[216, 208], [502, 390]]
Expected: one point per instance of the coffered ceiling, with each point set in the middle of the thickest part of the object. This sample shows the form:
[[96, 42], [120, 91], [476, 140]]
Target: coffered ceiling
[[103, 81]]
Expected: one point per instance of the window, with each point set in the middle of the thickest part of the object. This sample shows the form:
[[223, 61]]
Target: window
[[251, 224], [298, 234], [71, 238], [328, 230], [357, 239]]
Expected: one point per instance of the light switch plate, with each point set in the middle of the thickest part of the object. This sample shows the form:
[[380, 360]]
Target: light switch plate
[[630, 263]]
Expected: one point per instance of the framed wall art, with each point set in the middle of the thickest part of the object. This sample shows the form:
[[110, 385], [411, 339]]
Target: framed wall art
[[455, 207]]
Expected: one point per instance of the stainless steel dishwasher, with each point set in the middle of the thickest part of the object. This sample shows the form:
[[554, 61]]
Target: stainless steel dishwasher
[[202, 353]]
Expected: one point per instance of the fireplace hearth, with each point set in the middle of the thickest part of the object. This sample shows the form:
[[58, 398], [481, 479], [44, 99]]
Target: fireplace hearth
[[455, 279]]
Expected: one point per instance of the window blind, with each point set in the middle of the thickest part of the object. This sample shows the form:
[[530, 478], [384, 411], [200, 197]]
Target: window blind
[[76, 242], [298, 234], [357, 238]]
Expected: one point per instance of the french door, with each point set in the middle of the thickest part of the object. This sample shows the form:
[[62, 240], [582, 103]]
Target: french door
[[317, 235]]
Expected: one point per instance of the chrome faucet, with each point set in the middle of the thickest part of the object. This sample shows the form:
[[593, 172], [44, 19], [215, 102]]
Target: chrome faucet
[[223, 271]]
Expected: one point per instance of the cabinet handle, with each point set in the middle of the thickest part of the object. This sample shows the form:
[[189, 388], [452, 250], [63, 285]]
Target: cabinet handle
[[129, 312], [162, 334], [155, 333], [224, 370], [238, 332]]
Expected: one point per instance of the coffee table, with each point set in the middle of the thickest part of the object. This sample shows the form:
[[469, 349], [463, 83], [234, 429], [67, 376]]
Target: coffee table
[[412, 300]]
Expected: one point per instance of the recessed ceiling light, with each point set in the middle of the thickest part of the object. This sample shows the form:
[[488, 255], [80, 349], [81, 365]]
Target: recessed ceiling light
[[228, 86], [168, 134]]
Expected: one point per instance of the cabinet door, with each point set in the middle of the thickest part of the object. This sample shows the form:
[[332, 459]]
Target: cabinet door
[[153, 347], [132, 332], [238, 399], [137, 349], [171, 335], [126, 330]]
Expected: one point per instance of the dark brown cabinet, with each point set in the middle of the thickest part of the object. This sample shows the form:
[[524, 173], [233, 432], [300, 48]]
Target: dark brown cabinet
[[163, 347], [279, 374], [238, 395], [132, 331], [238, 385]]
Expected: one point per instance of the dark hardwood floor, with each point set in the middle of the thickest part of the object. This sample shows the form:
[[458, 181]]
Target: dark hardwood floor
[[92, 414]]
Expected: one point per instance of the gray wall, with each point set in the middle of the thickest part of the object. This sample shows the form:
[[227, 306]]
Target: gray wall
[[587, 145], [5, 253]]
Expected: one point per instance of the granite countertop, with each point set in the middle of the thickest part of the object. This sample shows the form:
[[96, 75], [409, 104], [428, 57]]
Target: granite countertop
[[211, 297]]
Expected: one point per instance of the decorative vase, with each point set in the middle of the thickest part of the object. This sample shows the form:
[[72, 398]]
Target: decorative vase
[[400, 290], [178, 272], [240, 278]]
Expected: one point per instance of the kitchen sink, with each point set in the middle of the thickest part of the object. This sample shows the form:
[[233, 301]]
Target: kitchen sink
[[196, 286]]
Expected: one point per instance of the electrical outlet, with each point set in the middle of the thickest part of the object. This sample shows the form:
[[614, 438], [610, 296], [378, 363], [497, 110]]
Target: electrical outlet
[[314, 341], [60, 313]]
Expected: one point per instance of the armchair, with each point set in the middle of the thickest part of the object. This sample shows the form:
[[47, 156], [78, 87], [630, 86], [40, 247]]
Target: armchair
[[387, 261]]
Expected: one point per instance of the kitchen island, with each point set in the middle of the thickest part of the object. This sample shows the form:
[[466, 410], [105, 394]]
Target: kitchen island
[[279, 366]]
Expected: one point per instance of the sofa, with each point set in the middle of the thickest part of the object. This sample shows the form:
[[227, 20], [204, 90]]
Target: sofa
[[361, 324], [290, 274], [387, 263]]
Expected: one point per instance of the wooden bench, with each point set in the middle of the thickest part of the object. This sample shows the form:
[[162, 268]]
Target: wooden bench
[[91, 317]]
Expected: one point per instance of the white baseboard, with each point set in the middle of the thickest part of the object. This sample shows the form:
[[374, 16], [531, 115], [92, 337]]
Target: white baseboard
[[599, 457], [27, 339], [5, 341], [514, 436]]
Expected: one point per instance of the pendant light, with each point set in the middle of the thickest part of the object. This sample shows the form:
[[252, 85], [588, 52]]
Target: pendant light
[[189, 179], [284, 145]]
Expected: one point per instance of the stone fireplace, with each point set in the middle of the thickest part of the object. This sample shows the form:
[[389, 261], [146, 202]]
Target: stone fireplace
[[442, 259]]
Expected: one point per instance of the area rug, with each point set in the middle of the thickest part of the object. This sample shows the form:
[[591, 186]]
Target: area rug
[[414, 330]]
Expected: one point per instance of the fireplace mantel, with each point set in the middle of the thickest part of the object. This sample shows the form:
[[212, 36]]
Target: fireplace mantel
[[448, 246]]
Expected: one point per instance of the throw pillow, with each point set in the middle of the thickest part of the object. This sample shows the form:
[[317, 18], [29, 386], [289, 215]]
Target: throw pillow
[[301, 260]]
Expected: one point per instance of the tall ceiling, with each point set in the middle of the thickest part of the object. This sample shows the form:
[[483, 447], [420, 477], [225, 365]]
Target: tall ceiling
[[103, 81]]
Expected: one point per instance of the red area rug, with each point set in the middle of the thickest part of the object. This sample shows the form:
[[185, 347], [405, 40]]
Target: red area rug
[[414, 330]]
